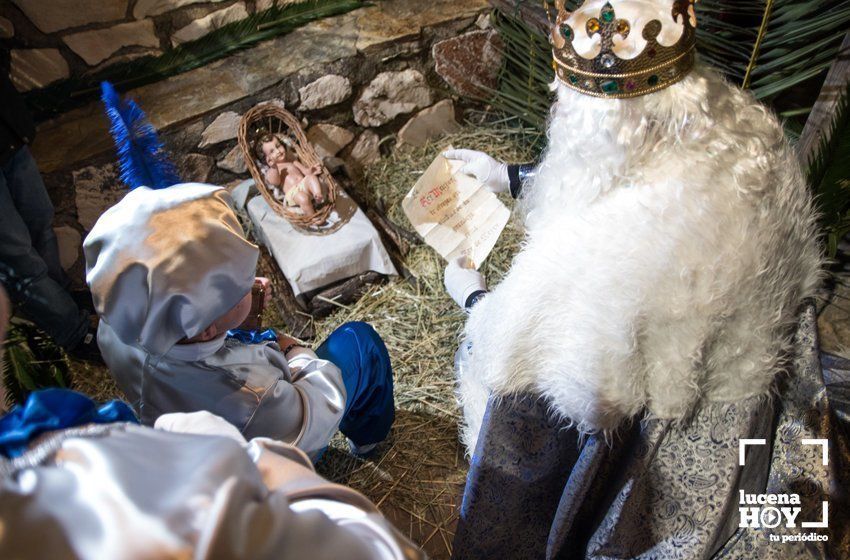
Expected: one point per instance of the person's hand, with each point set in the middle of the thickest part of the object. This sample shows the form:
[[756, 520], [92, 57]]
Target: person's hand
[[462, 281], [273, 177], [284, 341], [267, 289], [295, 346], [491, 172]]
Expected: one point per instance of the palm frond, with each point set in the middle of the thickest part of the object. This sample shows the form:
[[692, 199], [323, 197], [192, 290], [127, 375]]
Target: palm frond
[[224, 41], [32, 362], [526, 74], [770, 46], [829, 175]]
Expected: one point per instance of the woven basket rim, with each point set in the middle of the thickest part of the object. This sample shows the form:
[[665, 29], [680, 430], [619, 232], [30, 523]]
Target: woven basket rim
[[270, 113]]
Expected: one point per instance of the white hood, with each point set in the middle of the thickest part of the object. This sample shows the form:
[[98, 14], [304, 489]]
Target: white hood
[[162, 265]]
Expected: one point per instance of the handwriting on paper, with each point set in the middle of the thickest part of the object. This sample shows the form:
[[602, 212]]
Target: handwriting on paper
[[454, 213]]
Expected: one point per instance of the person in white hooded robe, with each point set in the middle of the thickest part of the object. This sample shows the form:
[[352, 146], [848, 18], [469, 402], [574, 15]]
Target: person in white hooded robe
[[171, 272], [652, 313], [83, 481]]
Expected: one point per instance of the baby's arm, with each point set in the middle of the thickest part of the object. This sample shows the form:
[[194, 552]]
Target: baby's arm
[[314, 170], [273, 176], [313, 184]]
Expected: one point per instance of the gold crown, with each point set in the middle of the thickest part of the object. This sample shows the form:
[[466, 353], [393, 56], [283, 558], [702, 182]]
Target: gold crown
[[606, 74]]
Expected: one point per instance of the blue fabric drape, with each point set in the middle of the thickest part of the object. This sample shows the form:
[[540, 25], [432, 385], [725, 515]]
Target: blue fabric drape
[[357, 350], [55, 409]]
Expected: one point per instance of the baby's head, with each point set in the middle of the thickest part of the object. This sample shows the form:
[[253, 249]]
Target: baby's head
[[268, 148]]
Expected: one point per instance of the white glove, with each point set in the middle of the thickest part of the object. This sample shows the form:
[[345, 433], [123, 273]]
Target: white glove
[[491, 172], [461, 282]]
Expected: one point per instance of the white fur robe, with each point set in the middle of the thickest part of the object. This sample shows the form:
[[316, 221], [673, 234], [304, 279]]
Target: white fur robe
[[670, 240]]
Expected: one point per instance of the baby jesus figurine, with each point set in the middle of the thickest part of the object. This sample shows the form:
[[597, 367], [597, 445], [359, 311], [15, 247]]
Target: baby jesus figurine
[[299, 183]]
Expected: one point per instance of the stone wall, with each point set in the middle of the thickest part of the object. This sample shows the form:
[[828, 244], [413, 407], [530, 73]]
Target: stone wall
[[362, 84], [52, 40]]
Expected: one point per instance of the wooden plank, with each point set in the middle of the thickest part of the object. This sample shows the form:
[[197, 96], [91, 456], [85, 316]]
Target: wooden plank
[[343, 294], [820, 119]]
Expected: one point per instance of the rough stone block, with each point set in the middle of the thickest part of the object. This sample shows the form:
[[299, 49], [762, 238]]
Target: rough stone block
[[366, 149], [389, 95], [7, 29], [98, 45], [429, 124], [56, 15], [224, 127], [124, 57], [196, 168], [37, 68], [144, 8], [234, 161], [324, 92], [274, 101], [470, 63], [391, 21], [328, 139], [263, 5], [210, 22], [97, 189]]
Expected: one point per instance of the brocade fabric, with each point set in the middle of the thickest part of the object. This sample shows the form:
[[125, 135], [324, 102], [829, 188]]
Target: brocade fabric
[[536, 489]]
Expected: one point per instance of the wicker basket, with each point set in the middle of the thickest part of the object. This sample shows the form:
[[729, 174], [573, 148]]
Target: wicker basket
[[273, 119]]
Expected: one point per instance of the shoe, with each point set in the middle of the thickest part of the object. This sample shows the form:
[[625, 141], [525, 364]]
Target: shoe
[[361, 450], [87, 349]]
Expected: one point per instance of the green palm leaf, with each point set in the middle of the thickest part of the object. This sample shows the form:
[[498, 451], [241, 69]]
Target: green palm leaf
[[829, 175], [770, 46], [32, 361], [527, 72]]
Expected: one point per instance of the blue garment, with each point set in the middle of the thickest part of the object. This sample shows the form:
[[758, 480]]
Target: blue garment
[[29, 256], [358, 351], [55, 409], [252, 337]]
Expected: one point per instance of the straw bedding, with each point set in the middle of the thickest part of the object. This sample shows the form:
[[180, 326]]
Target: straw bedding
[[416, 477]]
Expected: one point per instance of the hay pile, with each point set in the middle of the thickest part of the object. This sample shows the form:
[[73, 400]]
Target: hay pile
[[417, 475]]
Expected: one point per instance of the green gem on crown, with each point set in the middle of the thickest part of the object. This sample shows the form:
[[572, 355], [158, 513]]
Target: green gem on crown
[[566, 31], [573, 79], [609, 86], [607, 13], [653, 80]]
